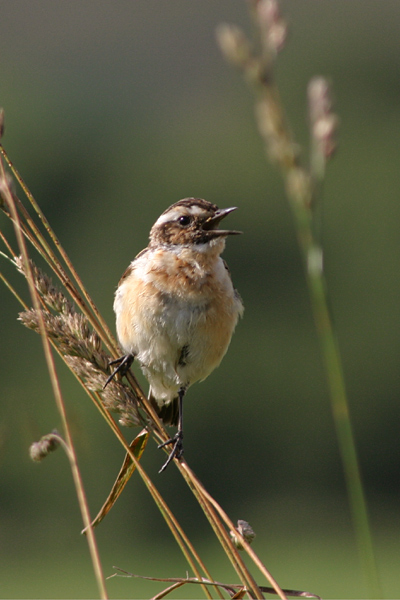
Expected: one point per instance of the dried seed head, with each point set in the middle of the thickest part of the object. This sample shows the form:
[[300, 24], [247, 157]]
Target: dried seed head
[[120, 399], [319, 98], [268, 12], [71, 334], [324, 122], [245, 531], [272, 24], [281, 149], [233, 44], [48, 443], [324, 133], [117, 397], [81, 347], [53, 297], [299, 186]]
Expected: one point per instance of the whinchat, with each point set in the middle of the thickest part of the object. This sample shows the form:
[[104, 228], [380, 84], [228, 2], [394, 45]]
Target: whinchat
[[176, 308]]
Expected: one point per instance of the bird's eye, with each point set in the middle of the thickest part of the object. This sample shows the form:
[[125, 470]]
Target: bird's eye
[[184, 220]]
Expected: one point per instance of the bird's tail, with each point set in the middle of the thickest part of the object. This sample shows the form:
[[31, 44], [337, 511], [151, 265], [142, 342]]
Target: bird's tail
[[168, 413]]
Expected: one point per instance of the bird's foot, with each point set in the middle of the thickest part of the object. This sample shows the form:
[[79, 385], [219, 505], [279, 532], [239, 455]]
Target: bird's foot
[[177, 449], [124, 362]]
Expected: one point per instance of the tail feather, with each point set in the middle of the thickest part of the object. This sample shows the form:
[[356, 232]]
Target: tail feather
[[168, 413]]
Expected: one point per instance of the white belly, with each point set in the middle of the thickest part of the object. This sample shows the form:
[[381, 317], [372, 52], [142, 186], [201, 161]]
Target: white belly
[[177, 338]]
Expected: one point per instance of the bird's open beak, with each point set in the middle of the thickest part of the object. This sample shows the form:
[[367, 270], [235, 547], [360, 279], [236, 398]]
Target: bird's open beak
[[212, 223]]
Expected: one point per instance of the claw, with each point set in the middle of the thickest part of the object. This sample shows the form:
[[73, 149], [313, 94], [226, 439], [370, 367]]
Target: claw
[[124, 362], [176, 451]]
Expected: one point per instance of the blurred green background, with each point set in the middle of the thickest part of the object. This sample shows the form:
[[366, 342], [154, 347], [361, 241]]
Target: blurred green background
[[115, 110]]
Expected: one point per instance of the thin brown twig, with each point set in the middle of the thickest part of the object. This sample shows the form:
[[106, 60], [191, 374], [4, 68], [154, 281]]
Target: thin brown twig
[[232, 588]]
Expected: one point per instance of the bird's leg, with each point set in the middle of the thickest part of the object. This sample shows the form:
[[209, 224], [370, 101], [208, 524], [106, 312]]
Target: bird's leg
[[124, 362], [177, 449]]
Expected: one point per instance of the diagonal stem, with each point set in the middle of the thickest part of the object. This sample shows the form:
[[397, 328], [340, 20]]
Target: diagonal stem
[[339, 404], [56, 391], [106, 336]]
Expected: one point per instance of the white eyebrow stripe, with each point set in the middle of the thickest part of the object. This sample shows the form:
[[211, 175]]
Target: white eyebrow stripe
[[174, 213], [169, 216]]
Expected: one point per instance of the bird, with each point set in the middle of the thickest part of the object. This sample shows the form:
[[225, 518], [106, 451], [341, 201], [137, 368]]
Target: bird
[[176, 308]]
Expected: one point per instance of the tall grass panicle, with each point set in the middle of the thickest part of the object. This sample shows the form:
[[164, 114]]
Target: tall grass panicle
[[303, 188]]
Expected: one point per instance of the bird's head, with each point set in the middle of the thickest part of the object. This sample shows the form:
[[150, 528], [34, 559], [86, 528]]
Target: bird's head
[[191, 221]]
